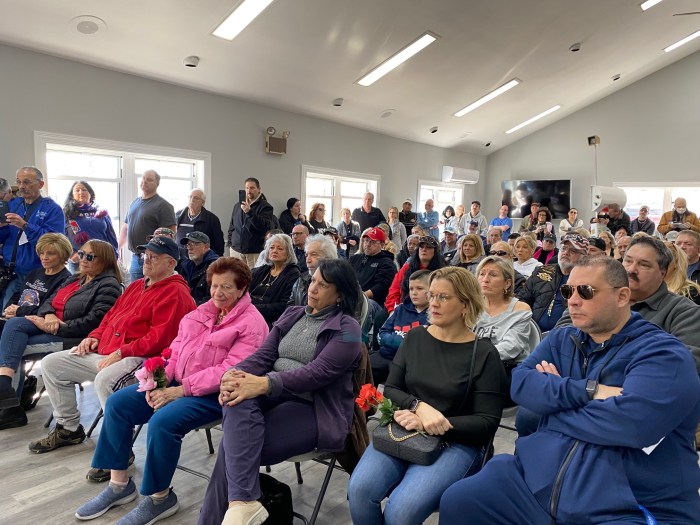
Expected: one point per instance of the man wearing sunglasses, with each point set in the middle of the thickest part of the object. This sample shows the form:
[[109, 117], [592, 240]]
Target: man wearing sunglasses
[[542, 290], [619, 400]]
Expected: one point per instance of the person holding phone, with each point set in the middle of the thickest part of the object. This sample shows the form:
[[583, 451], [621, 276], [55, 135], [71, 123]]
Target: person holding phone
[[251, 218]]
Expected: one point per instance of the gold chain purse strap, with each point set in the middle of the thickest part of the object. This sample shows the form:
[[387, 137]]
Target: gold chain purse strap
[[407, 436]]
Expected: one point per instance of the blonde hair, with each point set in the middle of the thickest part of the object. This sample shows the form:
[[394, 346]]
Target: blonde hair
[[507, 271], [676, 277], [466, 289], [527, 240], [475, 240], [56, 241]]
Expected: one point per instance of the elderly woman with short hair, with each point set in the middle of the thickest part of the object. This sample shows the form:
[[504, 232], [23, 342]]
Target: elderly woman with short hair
[[272, 282]]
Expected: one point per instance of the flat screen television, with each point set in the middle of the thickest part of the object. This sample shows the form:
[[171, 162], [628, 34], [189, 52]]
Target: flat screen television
[[519, 194]]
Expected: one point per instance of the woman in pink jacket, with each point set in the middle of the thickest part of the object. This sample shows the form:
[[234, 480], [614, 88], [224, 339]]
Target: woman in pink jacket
[[211, 339]]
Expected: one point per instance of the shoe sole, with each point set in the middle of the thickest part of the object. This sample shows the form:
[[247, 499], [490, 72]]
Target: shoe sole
[[64, 444], [166, 514], [259, 517], [124, 500]]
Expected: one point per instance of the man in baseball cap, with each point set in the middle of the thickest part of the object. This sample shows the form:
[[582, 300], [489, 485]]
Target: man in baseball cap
[[194, 267], [406, 216]]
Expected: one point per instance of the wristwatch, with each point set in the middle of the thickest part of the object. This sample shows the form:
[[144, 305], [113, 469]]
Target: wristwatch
[[414, 405], [591, 388]]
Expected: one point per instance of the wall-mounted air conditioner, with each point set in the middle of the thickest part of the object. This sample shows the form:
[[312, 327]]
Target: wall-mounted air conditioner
[[459, 175]]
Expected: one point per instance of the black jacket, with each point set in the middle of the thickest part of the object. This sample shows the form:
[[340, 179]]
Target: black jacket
[[196, 277], [300, 290], [375, 273], [540, 289], [84, 309], [287, 222], [273, 301], [207, 223], [246, 233], [621, 222]]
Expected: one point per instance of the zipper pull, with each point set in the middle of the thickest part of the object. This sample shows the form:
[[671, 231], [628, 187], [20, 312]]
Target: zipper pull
[[585, 365]]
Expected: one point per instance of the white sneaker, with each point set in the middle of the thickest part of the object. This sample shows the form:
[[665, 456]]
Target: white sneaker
[[246, 513]]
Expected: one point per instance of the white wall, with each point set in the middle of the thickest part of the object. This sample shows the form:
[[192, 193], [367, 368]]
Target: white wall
[[649, 131], [40, 92]]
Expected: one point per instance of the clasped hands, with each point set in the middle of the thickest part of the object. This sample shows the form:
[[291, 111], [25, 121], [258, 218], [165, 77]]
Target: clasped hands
[[603, 391], [237, 386], [49, 324], [425, 419]]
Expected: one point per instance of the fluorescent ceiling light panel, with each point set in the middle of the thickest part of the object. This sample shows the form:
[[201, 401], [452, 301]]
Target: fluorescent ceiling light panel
[[243, 15], [681, 42], [486, 98], [649, 4], [397, 59], [533, 119]]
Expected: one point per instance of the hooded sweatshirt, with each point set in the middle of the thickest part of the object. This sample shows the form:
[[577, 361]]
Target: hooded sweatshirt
[[509, 332], [375, 273], [403, 319]]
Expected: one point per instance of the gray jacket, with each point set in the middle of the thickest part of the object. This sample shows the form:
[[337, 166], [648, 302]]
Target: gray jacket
[[672, 313]]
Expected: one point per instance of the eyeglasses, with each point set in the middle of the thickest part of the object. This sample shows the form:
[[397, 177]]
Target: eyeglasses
[[442, 298], [195, 198], [585, 291], [500, 253], [297, 233], [89, 257], [153, 258], [192, 244], [320, 209], [367, 240]]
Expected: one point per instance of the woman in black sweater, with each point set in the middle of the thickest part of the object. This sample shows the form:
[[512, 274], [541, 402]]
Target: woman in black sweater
[[446, 383]]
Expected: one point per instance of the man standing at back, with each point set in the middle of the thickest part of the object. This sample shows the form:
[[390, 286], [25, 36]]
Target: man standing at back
[[29, 217], [619, 219], [367, 215], [407, 217], [146, 213], [196, 218], [250, 221]]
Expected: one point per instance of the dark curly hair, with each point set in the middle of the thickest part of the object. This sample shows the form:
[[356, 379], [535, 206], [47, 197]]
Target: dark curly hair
[[413, 263]]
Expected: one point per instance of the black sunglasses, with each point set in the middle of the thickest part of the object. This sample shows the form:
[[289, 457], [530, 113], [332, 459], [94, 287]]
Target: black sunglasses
[[500, 253], [585, 291], [89, 257]]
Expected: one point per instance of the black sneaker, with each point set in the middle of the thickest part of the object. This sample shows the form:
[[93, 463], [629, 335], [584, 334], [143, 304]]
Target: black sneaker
[[58, 437], [100, 475], [8, 398], [12, 418]]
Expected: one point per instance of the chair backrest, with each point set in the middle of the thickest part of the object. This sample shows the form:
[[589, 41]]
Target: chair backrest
[[535, 335]]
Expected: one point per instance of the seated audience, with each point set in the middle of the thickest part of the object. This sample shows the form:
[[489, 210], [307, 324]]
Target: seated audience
[[317, 221], [194, 268], [398, 230], [448, 247], [272, 283], [619, 220], [426, 257], [318, 248], [679, 218], [408, 249], [406, 316], [260, 261], [525, 263], [620, 400], [502, 250], [505, 319], [548, 252], [643, 223], [511, 239], [676, 277], [293, 395], [622, 246], [571, 223], [609, 241], [470, 252], [446, 383], [141, 324], [298, 236], [543, 226], [493, 237], [292, 216], [689, 242], [349, 232], [596, 246], [216, 336]]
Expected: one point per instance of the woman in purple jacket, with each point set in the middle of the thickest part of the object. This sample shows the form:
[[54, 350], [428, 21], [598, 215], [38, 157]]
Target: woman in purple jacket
[[216, 336], [292, 396]]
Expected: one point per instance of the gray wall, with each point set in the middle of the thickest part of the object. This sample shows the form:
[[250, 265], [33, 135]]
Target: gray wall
[[649, 131], [40, 92]]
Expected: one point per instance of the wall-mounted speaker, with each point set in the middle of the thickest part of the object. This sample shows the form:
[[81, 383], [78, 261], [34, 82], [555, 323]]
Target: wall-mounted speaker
[[275, 145]]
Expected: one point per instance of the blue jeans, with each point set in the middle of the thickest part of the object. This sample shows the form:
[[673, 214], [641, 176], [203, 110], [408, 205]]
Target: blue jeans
[[414, 490], [16, 336], [127, 408], [14, 286], [136, 268]]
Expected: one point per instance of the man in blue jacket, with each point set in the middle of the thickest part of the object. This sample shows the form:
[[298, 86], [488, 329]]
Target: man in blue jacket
[[30, 216], [619, 400]]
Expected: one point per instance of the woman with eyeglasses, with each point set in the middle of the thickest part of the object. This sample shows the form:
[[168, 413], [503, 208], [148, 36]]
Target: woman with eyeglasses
[[426, 257], [85, 220], [470, 252], [212, 339], [505, 319], [317, 218], [60, 311], [447, 383]]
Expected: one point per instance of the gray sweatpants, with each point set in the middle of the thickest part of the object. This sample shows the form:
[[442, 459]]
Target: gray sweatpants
[[62, 370]]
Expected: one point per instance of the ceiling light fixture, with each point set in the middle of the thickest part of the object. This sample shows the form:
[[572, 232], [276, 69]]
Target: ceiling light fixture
[[397, 59], [486, 98], [533, 119], [681, 42], [239, 19], [649, 4]]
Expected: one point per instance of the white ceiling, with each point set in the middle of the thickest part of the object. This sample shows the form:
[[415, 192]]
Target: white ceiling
[[299, 55]]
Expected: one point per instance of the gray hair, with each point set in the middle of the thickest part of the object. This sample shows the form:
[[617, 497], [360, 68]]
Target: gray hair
[[5, 186], [286, 241], [36, 171], [506, 268], [663, 254], [326, 246], [615, 274], [155, 174], [500, 232], [204, 195]]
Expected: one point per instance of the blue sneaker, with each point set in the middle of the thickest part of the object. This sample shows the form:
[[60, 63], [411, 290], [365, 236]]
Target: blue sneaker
[[148, 512], [105, 500]]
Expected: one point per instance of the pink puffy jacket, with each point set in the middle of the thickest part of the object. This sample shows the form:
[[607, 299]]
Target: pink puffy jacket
[[202, 352]]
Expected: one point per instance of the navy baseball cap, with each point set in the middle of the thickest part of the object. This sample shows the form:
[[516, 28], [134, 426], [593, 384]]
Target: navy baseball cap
[[161, 245]]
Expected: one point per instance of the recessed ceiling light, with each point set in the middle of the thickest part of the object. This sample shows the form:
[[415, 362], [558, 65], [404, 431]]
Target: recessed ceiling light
[[681, 42], [649, 4], [533, 119], [239, 19], [486, 98], [397, 59], [88, 24]]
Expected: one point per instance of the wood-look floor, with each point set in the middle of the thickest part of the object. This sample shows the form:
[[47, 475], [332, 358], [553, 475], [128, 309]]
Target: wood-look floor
[[47, 488]]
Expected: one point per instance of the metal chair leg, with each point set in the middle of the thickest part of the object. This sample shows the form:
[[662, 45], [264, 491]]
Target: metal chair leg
[[322, 493], [137, 431], [94, 423], [297, 467], [207, 431]]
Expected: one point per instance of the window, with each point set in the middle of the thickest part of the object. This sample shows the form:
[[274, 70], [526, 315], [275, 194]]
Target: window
[[443, 195], [659, 198], [336, 190]]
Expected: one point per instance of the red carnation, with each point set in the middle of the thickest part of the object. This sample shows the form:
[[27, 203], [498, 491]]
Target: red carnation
[[154, 363], [167, 353], [369, 397]]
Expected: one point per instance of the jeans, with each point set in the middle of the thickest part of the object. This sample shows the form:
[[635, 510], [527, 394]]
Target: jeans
[[14, 286], [127, 408], [414, 491], [136, 268]]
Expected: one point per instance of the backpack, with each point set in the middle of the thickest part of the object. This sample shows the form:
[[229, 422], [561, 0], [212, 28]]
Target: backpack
[[277, 500]]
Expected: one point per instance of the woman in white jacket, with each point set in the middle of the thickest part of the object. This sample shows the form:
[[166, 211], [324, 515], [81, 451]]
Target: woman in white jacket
[[571, 223], [524, 248]]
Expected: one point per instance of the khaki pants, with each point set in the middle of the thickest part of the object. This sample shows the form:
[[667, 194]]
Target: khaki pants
[[249, 258]]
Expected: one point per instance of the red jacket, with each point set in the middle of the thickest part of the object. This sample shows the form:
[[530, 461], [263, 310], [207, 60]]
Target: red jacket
[[143, 322]]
